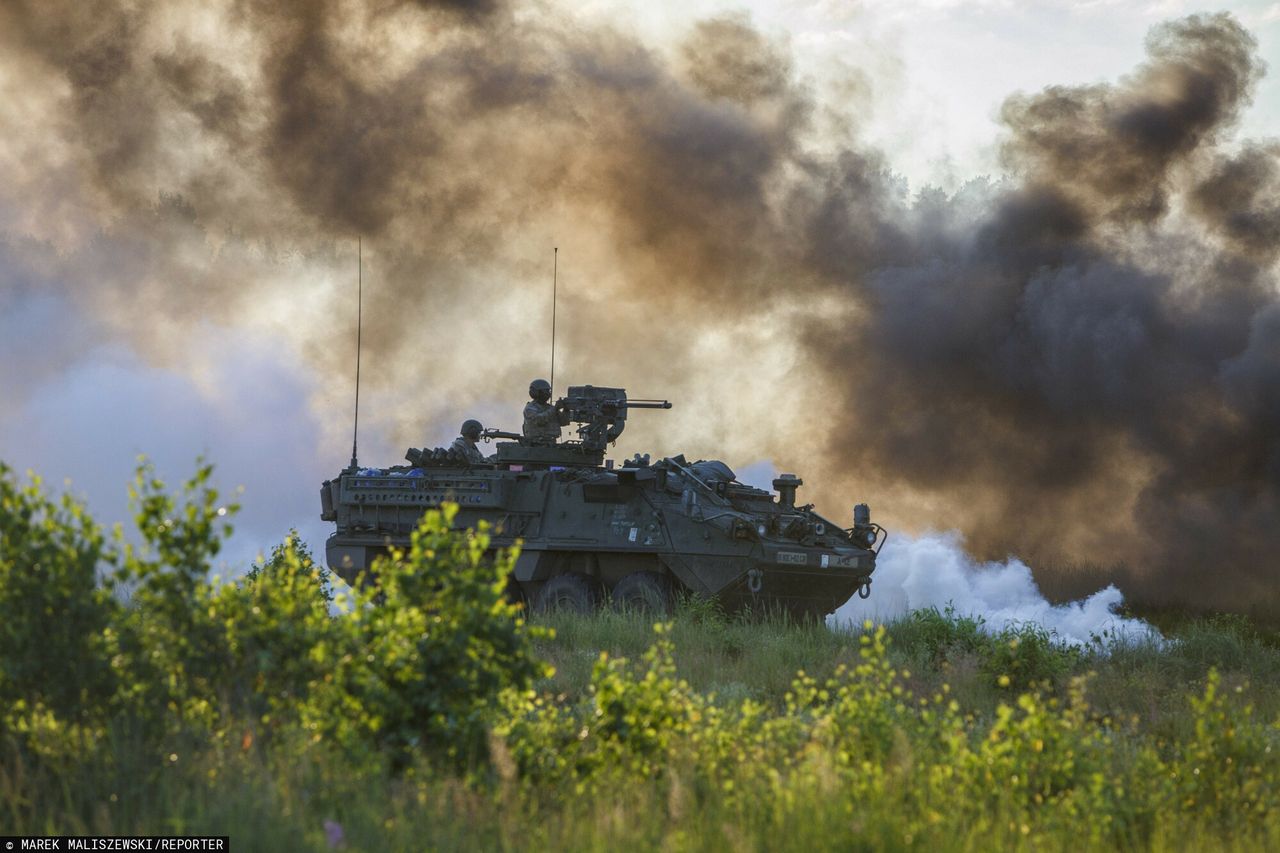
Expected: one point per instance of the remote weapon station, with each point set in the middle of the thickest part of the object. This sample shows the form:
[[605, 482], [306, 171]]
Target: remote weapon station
[[592, 533]]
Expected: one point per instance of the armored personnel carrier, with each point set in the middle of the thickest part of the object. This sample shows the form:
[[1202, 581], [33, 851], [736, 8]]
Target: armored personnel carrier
[[593, 533]]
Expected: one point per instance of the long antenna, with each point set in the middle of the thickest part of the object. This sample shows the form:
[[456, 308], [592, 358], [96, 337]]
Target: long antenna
[[355, 430], [555, 277]]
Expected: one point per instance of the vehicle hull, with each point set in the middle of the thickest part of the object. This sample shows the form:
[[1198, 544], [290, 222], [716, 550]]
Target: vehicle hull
[[741, 546]]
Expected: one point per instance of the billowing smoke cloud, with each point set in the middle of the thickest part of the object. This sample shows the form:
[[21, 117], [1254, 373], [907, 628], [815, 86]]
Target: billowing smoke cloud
[[205, 154], [1079, 361], [1090, 369], [934, 571]]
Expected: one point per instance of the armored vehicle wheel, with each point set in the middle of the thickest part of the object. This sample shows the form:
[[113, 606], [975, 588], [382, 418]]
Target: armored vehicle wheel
[[571, 592], [645, 592]]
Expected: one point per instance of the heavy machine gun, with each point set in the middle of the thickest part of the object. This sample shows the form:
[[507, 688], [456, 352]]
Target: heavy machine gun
[[600, 412]]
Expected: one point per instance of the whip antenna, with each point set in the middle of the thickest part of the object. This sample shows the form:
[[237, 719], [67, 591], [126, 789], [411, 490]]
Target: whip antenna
[[555, 270], [355, 430]]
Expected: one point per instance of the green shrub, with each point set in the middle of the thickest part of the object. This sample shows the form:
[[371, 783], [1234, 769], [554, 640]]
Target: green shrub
[[415, 666], [277, 634], [288, 558], [172, 651], [1025, 657], [700, 610], [431, 645], [1231, 765], [937, 634], [56, 675]]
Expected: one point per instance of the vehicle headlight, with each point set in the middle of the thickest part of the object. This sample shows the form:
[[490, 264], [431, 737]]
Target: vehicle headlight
[[871, 537], [761, 529]]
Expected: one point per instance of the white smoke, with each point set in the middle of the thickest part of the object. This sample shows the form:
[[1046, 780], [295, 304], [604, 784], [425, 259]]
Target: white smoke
[[933, 570]]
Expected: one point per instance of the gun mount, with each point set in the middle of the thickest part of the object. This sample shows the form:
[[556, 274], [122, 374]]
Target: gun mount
[[601, 413]]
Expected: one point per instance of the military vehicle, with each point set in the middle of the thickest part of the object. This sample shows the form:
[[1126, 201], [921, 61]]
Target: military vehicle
[[592, 533]]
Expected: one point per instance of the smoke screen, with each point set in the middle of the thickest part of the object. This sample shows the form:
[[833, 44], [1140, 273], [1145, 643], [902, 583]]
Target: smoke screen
[[1077, 360]]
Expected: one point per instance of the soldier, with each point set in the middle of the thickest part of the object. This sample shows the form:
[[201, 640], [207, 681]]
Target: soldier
[[542, 421], [465, 444]]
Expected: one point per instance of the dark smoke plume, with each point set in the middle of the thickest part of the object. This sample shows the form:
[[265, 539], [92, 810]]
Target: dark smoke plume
[[1089, 373], [1080, 362]]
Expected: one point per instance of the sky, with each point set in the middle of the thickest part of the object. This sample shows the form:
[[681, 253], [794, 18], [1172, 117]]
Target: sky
[[939, 69], [178, 264]]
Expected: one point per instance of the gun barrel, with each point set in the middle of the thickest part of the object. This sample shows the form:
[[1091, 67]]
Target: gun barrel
[[648, 404], [497, 433]]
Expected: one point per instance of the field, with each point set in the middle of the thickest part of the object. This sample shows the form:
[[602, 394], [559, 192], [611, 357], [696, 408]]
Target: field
[[141, 696]]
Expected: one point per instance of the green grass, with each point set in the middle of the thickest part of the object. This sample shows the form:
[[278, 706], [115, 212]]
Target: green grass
[[1137, 698], [432, 716], [734, 659]]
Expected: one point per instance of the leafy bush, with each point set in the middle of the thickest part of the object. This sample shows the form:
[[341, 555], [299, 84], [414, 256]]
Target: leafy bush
[[416, 664], [431, 645], [700, 610], [1231, 764], [1020, 657], [277, 633], [55, 617], [1025, 657], [172, 651], [939, 633]]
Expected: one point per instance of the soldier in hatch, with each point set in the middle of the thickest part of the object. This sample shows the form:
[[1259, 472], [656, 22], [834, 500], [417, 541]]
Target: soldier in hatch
[[465, 444], [542, 420]]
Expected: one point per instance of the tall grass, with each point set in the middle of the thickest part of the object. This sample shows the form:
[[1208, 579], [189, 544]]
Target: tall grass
[[432, 715], [788, 780]]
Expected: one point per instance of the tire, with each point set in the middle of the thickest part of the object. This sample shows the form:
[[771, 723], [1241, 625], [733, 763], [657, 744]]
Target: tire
[[643, 592], [571, 593]]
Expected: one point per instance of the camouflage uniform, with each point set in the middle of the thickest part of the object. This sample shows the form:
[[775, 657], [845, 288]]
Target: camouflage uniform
[[466, 449], [541, 422]]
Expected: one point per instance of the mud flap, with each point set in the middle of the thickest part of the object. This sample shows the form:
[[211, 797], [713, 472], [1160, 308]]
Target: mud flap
[[526, 568], [686, 574]]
